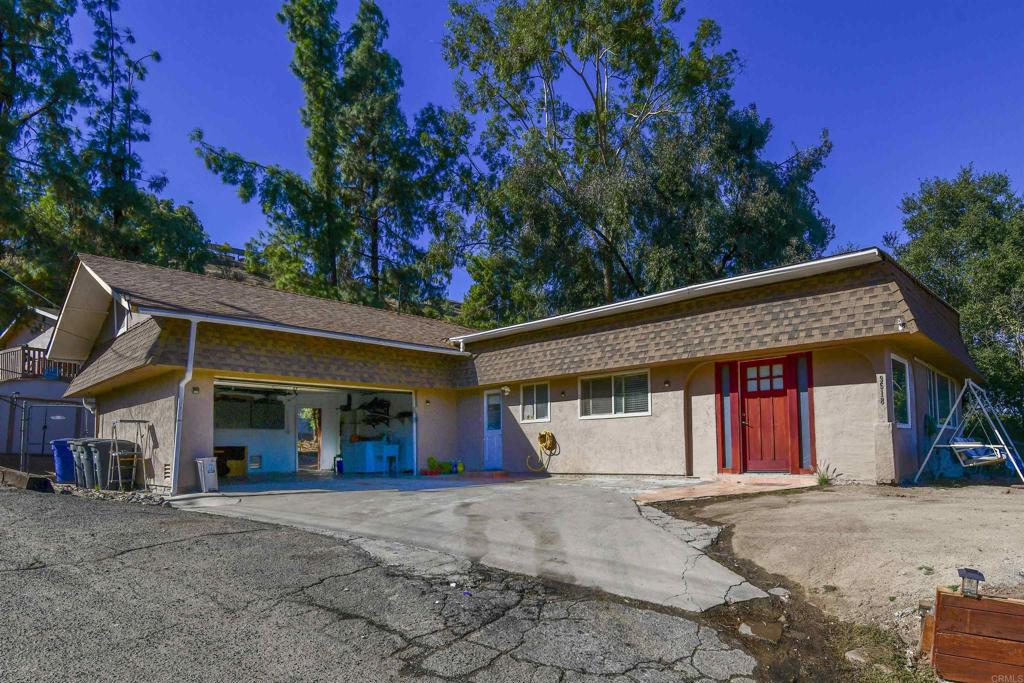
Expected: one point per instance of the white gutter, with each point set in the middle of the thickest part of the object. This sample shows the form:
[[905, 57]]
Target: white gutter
[[764, 277], [180, 407], [279, 327]]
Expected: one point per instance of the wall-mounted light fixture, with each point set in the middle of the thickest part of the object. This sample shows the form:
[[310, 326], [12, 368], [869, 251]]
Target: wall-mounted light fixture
[[506, 390], [427, 402], [667, 384], [195, 391], [562, 394]]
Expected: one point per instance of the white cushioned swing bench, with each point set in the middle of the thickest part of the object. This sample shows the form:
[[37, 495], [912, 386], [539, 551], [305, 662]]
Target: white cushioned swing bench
[[980, 439]]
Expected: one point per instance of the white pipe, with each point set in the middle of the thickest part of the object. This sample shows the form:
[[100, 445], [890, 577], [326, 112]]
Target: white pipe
[[176, 462]]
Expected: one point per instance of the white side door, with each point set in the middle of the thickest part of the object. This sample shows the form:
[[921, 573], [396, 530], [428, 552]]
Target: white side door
[[492, 430]]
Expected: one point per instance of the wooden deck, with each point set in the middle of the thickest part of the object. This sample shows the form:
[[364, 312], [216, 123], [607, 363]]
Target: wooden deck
[[26, 362]]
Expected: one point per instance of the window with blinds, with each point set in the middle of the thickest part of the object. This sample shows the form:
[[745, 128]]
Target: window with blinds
[[627, 394]]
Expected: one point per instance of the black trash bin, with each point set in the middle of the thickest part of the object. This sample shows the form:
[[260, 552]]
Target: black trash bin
[[84, 462], [102, 450], [76, 455]]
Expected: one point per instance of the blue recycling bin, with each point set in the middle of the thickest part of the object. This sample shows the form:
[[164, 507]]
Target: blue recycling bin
[[63, 461]]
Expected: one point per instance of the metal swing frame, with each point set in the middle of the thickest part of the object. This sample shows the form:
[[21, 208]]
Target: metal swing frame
[[1004, 449]]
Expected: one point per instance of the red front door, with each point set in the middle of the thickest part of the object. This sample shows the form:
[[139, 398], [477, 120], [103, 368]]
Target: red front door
[[765, 415]]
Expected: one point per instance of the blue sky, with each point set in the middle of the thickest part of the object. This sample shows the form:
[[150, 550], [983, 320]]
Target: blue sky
[[908, 90]]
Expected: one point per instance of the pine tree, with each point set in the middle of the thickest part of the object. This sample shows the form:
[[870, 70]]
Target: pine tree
[[68, 189], [39, 87], [378, 189]]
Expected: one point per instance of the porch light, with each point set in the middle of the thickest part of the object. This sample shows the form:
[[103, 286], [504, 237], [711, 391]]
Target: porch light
[[195, 391], [969, 580], [506, 390]]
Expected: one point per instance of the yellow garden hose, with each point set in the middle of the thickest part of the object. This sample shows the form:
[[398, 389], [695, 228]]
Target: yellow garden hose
[[548, 448]]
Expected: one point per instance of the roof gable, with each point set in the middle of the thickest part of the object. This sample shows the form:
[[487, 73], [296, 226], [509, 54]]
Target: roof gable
[[174, 293]]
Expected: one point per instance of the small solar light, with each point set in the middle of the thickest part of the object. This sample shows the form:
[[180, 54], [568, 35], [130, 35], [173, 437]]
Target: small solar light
[[969, 580]]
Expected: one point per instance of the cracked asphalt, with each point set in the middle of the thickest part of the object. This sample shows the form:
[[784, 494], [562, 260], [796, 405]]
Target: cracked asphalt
[[101, 590]]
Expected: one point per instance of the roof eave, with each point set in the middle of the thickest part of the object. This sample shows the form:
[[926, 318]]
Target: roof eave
[[760, 278]]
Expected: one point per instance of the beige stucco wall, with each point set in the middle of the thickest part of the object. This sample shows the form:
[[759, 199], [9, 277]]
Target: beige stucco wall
[[703, 438], [853, 428], [643, 444], [846, 414], [437, 432], [470, 427], [154, 400], [196, 429], [852, 432]]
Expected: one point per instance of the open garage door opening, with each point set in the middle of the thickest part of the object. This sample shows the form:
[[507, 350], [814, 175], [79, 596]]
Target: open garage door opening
[[270, 429]]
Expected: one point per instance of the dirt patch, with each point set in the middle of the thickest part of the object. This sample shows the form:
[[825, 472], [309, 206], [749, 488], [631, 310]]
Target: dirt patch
[[813, 643], [809, 649], [858, 560], [870, 554]]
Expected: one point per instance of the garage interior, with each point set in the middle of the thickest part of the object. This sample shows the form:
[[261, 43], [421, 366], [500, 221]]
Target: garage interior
[[267, 429]]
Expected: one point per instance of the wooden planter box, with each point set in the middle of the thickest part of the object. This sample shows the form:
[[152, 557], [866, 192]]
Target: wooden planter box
[[976, 639]]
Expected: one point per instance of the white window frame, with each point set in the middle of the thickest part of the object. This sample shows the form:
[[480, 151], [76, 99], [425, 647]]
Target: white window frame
[[954, 391], [910, 392], [522, 402], [612, 376]]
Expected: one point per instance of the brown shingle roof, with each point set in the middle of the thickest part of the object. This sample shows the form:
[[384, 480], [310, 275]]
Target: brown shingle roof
[[182, 292], [856, 303], [137, 347]]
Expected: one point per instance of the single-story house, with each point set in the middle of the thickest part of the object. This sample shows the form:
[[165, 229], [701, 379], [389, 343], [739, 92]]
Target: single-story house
[[844, 361]]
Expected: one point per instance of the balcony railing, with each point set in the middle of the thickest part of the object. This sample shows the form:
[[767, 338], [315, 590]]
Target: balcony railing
[[25, 362]]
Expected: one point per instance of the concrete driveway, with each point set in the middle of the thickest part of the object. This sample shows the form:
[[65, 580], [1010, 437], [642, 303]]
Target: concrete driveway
[[572, 530]]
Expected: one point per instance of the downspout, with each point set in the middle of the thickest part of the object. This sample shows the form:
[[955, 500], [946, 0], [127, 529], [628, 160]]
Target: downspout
[[181, 404]]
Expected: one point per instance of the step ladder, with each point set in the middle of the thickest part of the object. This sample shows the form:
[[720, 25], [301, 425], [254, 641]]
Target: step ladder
[[127, 454]]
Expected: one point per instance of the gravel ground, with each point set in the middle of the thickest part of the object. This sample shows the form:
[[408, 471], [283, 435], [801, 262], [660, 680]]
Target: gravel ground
[[106, 590], [869, 554]]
